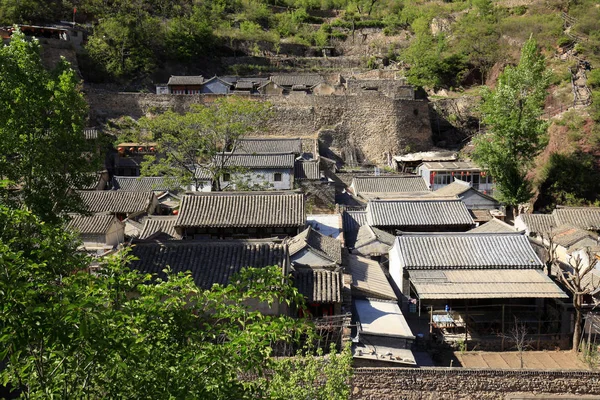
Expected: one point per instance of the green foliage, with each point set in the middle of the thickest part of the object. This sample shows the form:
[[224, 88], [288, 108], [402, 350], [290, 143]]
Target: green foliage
[[68, 333], [43, 152], [189, 38], [191, 142], [128, 45], [512, 113], [478, 37], [295, 377], [570, 179], [430, 65]]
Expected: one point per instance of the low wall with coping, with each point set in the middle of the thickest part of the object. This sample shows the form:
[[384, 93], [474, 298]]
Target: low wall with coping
[[463, 383]]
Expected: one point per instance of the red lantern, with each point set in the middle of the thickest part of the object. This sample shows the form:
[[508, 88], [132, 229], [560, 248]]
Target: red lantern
[[175, 212], [131, 149], [140, 149], [151, 148], [452, 173], [462, 173], [468, 173], [120, 149]]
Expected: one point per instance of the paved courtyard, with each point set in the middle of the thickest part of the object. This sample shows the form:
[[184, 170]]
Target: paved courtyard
[[531, 359]]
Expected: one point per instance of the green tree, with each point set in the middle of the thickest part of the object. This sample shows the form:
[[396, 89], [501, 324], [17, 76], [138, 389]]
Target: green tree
[[199, 142], [127, 45], [517, 134], [43, 152], [68, 333]]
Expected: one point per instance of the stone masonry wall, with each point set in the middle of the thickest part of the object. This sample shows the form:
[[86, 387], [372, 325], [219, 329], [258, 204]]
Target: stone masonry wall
[[455, 383], [373, 124]]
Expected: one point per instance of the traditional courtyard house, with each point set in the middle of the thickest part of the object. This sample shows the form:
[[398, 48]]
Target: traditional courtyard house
[[571, 230], [367, 187], [587, 218], [290, 83], [376, 305], [373, 242], [440, 174], [261, 171], [352, 220], [313, 249], [119, 203], [383, 335], [419, 215], [321, 288], [482, 206], [165, 189], [216, 85], [494, 226], [317, 259], [100, 232], [326, 224], [368, 279], [211, 262], [477, 283], [269, 145], [241, 215], [246, 85], [185, 84], [129, 157], [157, 227], [408, 163]]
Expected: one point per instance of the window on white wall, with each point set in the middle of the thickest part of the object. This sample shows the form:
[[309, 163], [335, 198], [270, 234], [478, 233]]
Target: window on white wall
[[277, 177]]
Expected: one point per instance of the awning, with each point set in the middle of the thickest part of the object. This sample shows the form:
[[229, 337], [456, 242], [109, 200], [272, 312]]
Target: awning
[[483, 284]]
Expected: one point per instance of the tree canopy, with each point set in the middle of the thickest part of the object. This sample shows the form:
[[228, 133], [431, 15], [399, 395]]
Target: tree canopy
[[511, 113], [198, 142], [69, 332], [43, 151]]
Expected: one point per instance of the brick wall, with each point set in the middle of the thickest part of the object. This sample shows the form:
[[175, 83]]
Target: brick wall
[[459, 383], [373, 124]]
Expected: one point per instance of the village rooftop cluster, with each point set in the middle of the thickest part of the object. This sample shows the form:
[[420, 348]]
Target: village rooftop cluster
[[420, 253]]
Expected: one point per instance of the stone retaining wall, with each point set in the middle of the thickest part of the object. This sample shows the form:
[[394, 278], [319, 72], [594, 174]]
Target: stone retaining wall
[[460, 383], [370, 124]]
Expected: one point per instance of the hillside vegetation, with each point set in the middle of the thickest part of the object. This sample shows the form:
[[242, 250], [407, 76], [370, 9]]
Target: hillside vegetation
[[448, 48]]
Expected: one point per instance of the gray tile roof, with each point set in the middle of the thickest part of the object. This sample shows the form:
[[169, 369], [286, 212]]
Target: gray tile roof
[[368, 279], [209, 262], [539, 223], [269, 145], [457, 188], [568, 235], [116, 201], [494, 226], [186, 80], [323, 245], [307, 170], [581, 217], [466, 251], [144, 184], [163, 226], [318, 285], [386, 184], [418, 213], [93, 224], [351, 223], [484, 284], [301, 80], [451, 166], [271, 160], [587, 218], [242, 209], [368, 234]]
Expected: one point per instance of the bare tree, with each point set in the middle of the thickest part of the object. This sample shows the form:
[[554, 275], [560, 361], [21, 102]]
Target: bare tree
[[578, 278], [518, 337]]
